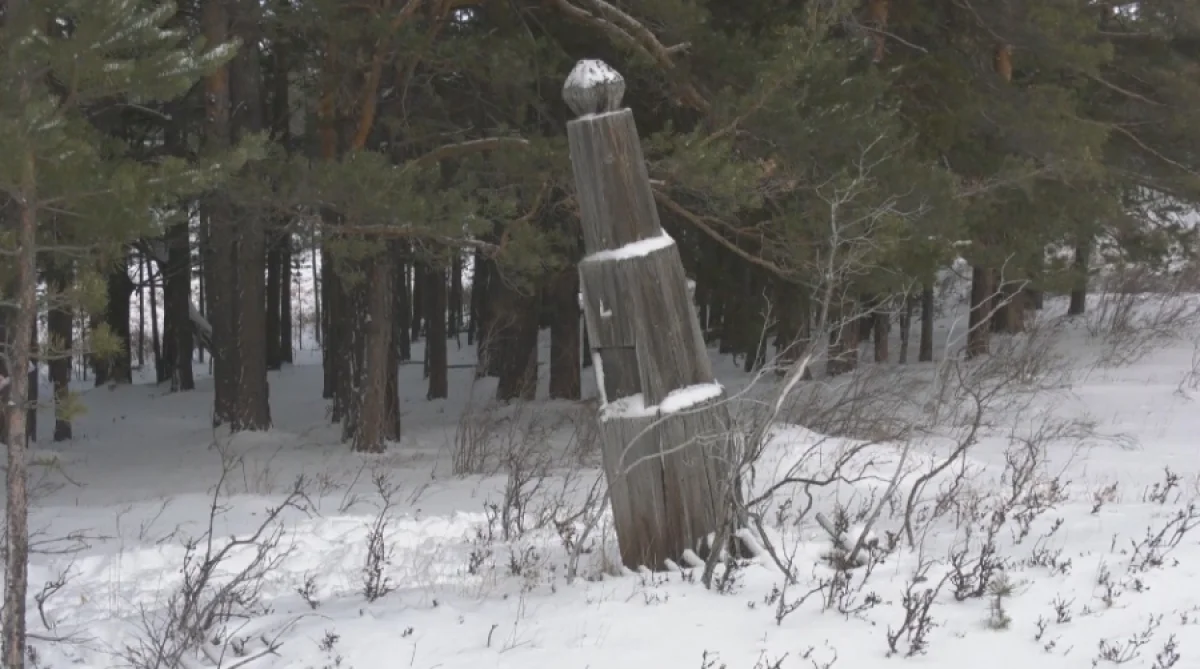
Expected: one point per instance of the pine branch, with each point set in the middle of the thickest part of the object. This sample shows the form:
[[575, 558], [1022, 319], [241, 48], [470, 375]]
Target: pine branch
[[458, 149], [624, 28], [676, 208]]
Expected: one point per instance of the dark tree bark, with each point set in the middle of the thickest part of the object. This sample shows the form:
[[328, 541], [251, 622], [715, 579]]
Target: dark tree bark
[[161, 372], [716, 315], [512, 342], [455, 298], [480, 292], [141, 302], [339, 343], [436, 355], [372, 420], [1008, 310], [348, 315], [843, 345], [60, 323], [117, 368], [403, 313], [1079, 291], [587, 349], [925, 354], [565, 365], [793, 333], [282, 133], [318, 292], [472, 306], [732, 315], [33, 390], [418, 303], [177, 307], [703, 299], [906, 315], [238, 244], [881, 325], [274, 312], [286, 353], [392, 418], [331, 346], [978, 326], [204, 272]]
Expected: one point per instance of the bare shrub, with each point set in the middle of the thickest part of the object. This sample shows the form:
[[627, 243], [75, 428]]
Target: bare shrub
[[1154, 549], [911, 636], [584, 442], [221, 584], [1190, 382], [1138, 309], [471, 447], [972, 400], [1129, 649], [375, 581]]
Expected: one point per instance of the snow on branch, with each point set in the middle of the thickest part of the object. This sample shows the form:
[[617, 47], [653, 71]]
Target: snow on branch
[[638, 249]]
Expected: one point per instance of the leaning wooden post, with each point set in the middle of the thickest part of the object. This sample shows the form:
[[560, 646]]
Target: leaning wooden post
[[664, 429]]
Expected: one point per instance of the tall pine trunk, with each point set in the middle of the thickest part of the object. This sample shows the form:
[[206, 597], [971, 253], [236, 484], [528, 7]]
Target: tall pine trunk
[[455, 299], [374, 418], [177, 307], [318, 289], [60, 321], [237, 245], [33, 389], [117, 367], [906, 315], [286, 353], [14, 416], [479, 297], [160, 372], [565, 367], [512, 342], [978, 327], [141, 309], [274, 313], [1079, 290], [418, 302], [403, 342], [881, 325], [281, 131], [436, 355], [331, 346], [925, 352]]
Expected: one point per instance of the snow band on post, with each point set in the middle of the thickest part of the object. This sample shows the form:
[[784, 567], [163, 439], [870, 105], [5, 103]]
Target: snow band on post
[[665, 434]]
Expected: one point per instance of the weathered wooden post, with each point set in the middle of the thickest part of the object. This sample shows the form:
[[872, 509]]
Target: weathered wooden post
[[664, 430]]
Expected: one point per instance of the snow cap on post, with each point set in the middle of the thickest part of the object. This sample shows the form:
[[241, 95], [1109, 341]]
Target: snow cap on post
[[593, 88]]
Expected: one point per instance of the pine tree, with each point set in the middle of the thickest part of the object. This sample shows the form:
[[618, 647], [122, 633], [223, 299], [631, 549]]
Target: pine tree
[[67, 187]]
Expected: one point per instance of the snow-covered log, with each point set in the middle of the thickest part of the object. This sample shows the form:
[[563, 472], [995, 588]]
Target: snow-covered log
[[663, 427]]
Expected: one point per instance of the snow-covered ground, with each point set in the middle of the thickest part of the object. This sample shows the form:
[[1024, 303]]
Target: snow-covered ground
[[1091, 561]]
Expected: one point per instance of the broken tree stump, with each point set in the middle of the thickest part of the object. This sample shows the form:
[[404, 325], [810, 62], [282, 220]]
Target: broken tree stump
[[666, 435]]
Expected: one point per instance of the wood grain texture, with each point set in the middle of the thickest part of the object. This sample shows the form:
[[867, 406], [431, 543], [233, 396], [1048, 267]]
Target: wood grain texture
[[616, 204], [668, 475]]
